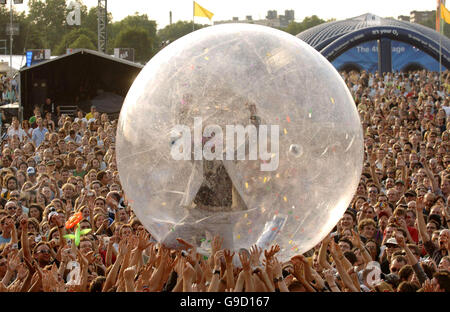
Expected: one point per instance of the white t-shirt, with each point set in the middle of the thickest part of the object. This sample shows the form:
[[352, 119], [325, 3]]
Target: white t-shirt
[[82, 119], [19, 132], [447, 110]]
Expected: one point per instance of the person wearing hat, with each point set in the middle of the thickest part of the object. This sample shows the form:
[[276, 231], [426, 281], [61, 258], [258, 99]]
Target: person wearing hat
[[400, 186], [410, 195], [387, 251], [50, 167], [31, 174]]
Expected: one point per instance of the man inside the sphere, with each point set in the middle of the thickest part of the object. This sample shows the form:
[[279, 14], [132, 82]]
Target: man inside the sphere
[[210, 200]]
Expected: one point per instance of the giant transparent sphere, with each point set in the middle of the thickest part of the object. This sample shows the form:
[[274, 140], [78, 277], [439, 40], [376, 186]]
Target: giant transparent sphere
[[241, 131]]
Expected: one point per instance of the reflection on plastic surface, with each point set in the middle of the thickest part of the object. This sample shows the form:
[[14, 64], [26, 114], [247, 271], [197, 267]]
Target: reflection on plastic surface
[[250, 76]]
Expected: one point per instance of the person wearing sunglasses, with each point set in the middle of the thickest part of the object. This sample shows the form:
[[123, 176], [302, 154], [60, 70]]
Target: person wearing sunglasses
[[42, 254]]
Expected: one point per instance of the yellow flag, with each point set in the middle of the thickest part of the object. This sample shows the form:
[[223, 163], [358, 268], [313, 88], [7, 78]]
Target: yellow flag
[[445, 14], [200, 11]]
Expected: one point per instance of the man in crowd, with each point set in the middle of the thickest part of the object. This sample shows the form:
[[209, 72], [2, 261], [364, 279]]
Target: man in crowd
[[38, 134]]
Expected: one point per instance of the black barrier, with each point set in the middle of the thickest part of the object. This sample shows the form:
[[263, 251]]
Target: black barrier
[[342, 44]]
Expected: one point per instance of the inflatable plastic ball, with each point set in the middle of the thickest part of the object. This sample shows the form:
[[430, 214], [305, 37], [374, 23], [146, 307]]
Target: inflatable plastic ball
[[241, 131]]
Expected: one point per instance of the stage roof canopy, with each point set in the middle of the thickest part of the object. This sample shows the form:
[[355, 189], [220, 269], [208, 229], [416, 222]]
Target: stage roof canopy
[[81, 78]]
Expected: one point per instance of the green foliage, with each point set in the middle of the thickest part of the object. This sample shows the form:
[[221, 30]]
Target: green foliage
[[137, 38], [89, 21], [89, 40], [83, 42], [177, 30], [135, 21], [50, 18], [431, 22], [295, 28], [44, 26], [18, 41]]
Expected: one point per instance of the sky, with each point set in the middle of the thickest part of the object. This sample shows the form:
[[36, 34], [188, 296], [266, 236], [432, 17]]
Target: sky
[[226, 9]]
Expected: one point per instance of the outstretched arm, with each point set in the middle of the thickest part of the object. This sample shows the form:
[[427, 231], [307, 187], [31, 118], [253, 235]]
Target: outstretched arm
[[323, 252], [421, 221]]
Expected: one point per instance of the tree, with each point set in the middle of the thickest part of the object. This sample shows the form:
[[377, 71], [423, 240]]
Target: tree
[[133, 21], [83, 42], [18, 40], [179, 29], [90, 20], [68, 40], [295, 28], [431, 22], [50, 18], [137, 38]]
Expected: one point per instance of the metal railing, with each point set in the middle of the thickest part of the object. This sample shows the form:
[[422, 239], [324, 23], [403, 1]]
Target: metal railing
[[69, 110]]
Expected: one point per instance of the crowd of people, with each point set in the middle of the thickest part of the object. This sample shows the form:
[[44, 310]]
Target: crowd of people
[[66, 224], [9, 89]]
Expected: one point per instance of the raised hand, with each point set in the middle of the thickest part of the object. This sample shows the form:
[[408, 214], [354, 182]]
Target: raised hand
[[14, 262], [216, 244], [299, 268], [207, 274], [218, 255], [228, 256], [152, 255], [50, 281], [271, 252], [123, 247], [186, 245], [255, 254], [297, 258], [188, 272], [327, 239], [147, 272], [268, 264], [277, 271], [179, 266], [427, 286], [83, 260], [356, 239], [245, 261], [329, 277], [335, 250], [419, 204], [22, 271], [143, 240]]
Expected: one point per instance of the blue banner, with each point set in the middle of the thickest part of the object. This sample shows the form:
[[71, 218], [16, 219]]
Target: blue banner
[[365, 56]]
